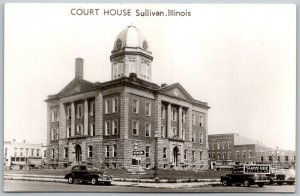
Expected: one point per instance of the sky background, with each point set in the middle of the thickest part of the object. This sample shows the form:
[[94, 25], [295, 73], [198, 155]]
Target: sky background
[[239, 58]]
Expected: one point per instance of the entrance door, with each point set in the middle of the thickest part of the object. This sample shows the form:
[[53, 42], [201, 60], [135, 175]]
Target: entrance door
[[175, 155], [78, 153]]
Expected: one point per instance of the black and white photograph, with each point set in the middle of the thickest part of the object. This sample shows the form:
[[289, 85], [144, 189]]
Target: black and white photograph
[[149, 98]]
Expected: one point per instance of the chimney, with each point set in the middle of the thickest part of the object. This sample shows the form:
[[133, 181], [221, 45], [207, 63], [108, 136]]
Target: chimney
[[79, 68]]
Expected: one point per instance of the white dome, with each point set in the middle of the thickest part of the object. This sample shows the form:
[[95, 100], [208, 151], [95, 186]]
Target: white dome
[[131, 37]]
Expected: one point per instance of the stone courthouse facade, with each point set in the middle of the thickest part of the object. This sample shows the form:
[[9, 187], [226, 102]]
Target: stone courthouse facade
[[100, 124]]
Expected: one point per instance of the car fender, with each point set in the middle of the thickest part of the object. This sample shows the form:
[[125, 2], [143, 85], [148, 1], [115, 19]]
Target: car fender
[[225, 177], [68, 175], [90, 176]]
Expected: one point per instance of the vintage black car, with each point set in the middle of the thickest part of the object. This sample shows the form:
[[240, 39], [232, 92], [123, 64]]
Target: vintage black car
[[81, 173], [238, 177]]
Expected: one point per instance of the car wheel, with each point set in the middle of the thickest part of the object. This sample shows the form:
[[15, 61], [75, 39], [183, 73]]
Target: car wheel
[[260, 184], [225, 182], [70, 180], [94, 181], [280, 183], [246, 183]]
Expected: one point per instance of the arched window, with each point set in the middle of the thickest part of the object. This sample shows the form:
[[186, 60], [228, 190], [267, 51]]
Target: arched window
[[228, 144], [213, 156], [219, 156], [229, 155], [223, 145], [223, 155], [213, 146], [218, 145]]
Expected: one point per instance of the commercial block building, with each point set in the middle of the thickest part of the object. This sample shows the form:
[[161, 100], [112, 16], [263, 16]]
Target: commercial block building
[[19, 155], [102, 123], [226, 150]]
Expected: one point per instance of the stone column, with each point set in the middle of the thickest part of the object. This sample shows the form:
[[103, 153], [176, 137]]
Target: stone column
[[190, 127], [169, 121], [86, 118], [124, 112], [62, 121], [180, 122], [73, 119], [182, 154]]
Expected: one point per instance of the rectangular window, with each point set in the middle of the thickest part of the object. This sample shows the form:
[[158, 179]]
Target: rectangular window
[[174, 114], [135, 106], [270, 158], [79, 111], [244, 154], [183, 116], [92, 129], [115, 127], [90, 151], [193, 155], [69, 113], [262, 158], [37, 152], [148, 130], [278, 158], [193, 136], [201, 121], [148, 109], [107, 151], [237, 154], [147, 151], [174, 129], [185, 154], [193, 119], [107, 105], [135, 127], [164, 153], [92, 109], [250, 154], [201, 154], [79, 129], [115, 105], [107, 127], [163, 112], [229, 155], [201, 138], [32, 151], [54, 115], [68, 131], [52, 153], [183, 134], [114, 154], [286, 158], [54, 134], [163, 131], [66, 152]]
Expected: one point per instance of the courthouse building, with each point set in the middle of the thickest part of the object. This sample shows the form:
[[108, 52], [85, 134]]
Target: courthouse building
[[101, 124]]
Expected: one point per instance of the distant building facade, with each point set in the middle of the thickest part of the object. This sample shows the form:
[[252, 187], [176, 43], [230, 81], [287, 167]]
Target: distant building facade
[[101, 124], [21, 154], [226, 150]]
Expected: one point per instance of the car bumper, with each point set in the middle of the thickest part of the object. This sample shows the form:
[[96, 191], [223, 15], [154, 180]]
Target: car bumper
[[261, 181], [104, 180]]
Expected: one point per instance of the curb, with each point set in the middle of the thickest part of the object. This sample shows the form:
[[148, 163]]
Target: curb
[[119, 183], [212, 180]]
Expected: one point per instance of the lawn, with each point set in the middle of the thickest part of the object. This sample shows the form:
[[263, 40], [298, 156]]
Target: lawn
[[121, 173]]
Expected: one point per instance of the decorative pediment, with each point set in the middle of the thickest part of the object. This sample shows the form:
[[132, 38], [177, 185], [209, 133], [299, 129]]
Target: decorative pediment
[[77, 86], [176, 90]]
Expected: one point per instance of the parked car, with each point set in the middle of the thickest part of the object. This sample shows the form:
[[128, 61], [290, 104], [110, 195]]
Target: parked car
[[281, 176], [238, 177], [81, 173]]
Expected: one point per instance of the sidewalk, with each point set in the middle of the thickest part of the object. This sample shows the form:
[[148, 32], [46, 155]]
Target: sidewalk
[[146, 183]]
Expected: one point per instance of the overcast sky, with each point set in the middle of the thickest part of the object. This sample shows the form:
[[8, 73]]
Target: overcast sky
[[241, 59]]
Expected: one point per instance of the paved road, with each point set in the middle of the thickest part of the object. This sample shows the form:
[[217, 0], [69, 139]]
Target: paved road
[[31, 186]]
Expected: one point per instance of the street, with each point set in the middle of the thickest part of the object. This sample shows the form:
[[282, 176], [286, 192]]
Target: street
[[36, 186]]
